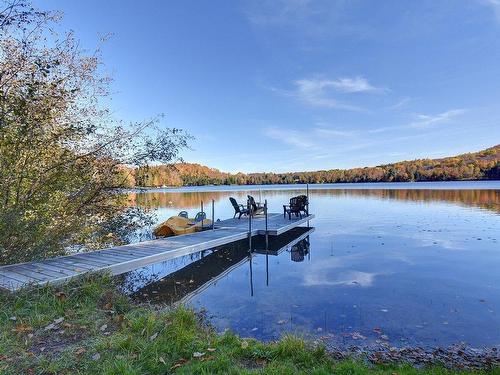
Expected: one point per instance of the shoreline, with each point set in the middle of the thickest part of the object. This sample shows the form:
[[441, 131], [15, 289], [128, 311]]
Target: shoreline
[[88, 326], [417, 185]]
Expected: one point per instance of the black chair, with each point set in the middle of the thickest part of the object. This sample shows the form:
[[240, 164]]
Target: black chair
[[183, 214], [299, 251], [297, 206], [255, 208], [239, 209], [200, 216]]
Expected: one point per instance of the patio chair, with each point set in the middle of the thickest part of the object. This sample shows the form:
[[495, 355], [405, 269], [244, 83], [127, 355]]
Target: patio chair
[[296, 207], [200, 216], [255, 208], [239, 209], [183, 214]]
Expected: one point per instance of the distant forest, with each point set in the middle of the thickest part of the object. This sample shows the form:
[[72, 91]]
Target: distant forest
[[482, 165]]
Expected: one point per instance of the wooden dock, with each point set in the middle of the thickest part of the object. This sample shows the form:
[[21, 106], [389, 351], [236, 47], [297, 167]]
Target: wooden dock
[[121, 259]]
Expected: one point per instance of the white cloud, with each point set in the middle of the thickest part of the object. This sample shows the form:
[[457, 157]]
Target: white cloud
[[425, 121], [314, 139], [320, 92], [324, 277]]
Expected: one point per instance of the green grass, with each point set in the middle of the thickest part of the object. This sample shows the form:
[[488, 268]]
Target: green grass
[[103, 333]]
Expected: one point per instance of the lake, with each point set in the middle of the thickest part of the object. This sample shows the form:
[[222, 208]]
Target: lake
[[401, 263]]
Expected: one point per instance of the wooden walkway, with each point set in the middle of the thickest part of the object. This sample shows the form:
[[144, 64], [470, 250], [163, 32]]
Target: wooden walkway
[[121, 259]]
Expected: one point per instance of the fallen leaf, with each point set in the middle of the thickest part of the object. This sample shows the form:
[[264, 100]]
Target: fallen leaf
[[96, 357], [61, 296], [162, 360], [152, 337], [20, 328], [103, 327], [13, 318], [80, 351], [178, 364], [198, 354], [108, 306], [211, 350]]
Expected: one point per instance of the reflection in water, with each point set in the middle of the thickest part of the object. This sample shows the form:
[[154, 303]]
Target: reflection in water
[[486, 198], [178, 280], [415, 266]]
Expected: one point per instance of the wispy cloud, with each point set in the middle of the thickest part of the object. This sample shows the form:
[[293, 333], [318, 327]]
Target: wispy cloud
[[307, 20], [400, 104], [428, 120], [319, 92], [493, 5], [333, 132], [314, 139], [292, 137], [425, 121]]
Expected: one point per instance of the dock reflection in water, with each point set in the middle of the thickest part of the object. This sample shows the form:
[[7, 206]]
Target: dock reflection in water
[[178, 280]]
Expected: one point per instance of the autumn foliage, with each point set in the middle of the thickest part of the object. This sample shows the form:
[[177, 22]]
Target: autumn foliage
[[482, 165]]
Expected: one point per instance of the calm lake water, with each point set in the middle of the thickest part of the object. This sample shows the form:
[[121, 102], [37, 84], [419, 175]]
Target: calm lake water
[[408, 264]]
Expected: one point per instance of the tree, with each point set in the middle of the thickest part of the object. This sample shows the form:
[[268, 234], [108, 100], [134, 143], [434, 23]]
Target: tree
[[61, 150]]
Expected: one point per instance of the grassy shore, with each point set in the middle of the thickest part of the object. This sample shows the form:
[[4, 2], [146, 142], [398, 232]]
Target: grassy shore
[[89, 327]]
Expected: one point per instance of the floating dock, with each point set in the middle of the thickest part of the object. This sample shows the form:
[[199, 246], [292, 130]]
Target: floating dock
[[121, 259]]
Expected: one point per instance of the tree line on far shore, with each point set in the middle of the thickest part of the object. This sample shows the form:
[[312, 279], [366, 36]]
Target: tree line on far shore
[[482, 165]]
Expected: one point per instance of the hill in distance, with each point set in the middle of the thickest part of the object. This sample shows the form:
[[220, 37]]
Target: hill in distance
[[481, 165]]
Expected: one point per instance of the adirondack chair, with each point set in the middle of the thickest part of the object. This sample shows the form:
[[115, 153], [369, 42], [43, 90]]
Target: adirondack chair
[[239, 209], [255, 208], [297, 206], [200, 216]]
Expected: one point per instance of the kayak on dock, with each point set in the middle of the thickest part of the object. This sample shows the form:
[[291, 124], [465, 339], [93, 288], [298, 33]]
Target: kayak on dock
[[177, 225]]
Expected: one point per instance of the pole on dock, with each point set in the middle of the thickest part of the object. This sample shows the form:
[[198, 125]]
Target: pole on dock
[[202, 212], [307, 206], [249, 226], [213, 215], [267, 235], [307, 195]]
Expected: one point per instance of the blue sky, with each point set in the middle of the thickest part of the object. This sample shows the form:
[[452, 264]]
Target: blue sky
[[291, 85]]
